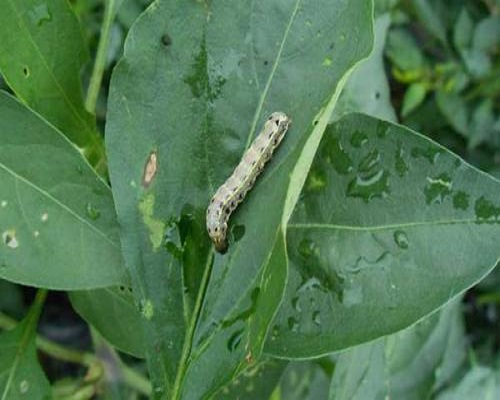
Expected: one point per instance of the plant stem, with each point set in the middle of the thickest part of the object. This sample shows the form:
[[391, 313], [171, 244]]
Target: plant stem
[[100, 60], [131, 377], [186, 349]]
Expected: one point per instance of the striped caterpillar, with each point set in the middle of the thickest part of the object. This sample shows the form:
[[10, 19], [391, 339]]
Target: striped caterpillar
[[234, 190]]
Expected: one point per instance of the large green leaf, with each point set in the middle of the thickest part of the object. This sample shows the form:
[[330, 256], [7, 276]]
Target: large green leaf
[[390, 226], [21, 376], [58, 227], [41, 54], [196, 83]]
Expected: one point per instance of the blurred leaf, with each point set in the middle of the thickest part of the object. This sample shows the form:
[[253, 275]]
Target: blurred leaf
[[405, 365], [113, 313], [463, 31], [454, 108], [487, 34], [41, 56], [304, 380], [21, 376], [404, 51], [482, 124], [219, 81], [367, 89], [390, 226], [430, 18], [479, 383], [414, 96], [57, 221]]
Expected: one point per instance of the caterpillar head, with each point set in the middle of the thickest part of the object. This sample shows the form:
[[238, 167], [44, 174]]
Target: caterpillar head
[[217, 232], [280, 121]]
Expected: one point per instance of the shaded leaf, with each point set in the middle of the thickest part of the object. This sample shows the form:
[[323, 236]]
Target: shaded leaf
[[58, 228]]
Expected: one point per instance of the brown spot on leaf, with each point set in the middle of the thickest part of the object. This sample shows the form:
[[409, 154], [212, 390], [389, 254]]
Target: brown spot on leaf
[[150, 169]]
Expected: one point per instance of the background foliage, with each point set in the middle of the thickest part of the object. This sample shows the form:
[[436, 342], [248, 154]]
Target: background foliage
[[364, 272]]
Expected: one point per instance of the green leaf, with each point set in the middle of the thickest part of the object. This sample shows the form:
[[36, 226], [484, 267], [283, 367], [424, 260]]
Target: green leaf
[[21, 376], [404, 51], [487, 34], [306, 380], [390, 226], [482, 124], [404, 365], [41, 56], [454, 108], [184, 104], [413, 98], [58, 227], [463, 31], [479, 383], [430, 18], [113, 313]]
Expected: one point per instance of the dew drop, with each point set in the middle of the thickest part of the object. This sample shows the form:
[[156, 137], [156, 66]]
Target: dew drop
[[369, 162], [92, 211], [437, 189], [4, 203], [327, 62], [44, 217], [316, 180], [429, 153], [382, 129], [307, 248], [461, 200], [235, 340], [275, 332], [401, 239], [352, 295], [147, 308], [337, 156], [316, 318], [486, 210], [359, 139], [400, 163], [296, 304], [238, 232], [24, 386], [368, 187], [293, 324]]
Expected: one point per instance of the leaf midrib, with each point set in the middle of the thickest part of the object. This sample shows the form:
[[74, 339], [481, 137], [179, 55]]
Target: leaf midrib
[[465, 221], [277, 59]]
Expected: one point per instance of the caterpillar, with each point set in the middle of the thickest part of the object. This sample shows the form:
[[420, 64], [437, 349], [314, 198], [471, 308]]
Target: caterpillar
[[241, 181]]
